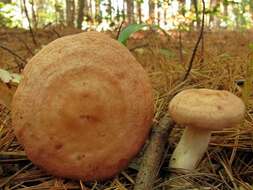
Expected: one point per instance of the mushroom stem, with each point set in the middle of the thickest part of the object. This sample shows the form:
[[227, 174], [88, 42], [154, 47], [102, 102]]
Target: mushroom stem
[[190, 149]]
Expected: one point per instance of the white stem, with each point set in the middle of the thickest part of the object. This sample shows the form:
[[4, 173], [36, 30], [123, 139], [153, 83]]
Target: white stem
[[190, 149]]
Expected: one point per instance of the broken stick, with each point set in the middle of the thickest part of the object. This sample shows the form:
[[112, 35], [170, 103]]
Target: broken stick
[[153, 155]]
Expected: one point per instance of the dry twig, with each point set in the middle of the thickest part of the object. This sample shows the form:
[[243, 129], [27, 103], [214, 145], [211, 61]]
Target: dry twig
[[119, 30], [197, 43], [151, 162], [13, 53], [29, 22]]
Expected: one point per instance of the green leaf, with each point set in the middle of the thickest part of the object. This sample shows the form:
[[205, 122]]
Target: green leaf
[[126, 33], [7, 77], [16, 78]]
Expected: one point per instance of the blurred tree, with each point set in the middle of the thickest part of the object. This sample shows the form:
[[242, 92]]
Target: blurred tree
[[90, 15], [151, 10], [225, 4], [98, 16], [34, 16], [109, 10], [195, 4], [118, 15], [139, 2], [219, 13], [130, 11], [123, 12], [70, 12], [213, 8], [165, 9], [5, 1], [159, 5], [87, 11], [80, 15], [59, 13]]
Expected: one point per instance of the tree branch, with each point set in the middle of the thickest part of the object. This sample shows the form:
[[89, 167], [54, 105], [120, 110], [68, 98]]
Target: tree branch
[[13, 53], [197, 43], [29, 23], [119, 29], [152, 159]]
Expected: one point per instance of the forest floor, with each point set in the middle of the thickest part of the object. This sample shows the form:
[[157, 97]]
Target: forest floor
[[228, 163]]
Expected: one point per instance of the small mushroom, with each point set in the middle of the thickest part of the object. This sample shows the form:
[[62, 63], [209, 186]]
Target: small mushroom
[[83, 108], [201, 111]]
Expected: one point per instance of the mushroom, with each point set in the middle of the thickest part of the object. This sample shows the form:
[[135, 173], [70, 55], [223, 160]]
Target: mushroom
[[83, 108], [201, 111]]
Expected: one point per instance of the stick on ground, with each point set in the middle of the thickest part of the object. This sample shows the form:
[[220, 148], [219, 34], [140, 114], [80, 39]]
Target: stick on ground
[[153, 155]]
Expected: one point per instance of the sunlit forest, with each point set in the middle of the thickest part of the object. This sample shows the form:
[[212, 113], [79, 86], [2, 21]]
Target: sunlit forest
[[126, 94], [107, 14]]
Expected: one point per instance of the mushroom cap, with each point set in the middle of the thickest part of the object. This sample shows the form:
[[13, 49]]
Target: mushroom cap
[[84, 107], [206, 108]]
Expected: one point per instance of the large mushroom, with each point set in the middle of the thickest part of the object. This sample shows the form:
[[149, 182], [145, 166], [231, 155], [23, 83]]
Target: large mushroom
[[84, 107], [201, 111]]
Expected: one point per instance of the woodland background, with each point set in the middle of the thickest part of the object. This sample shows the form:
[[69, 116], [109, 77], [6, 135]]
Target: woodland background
[[174, 61], [107, 14]]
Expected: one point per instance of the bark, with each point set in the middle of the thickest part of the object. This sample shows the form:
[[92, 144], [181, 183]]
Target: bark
[[118, 12], [165, 16], [123, 11], [70, 12], [98, 17], [139, 11], [225, 13], [80, 13], [29, 22], [153, 155], [34, 17], [5, 1], [59, 12], [195, 4], [87, 11], [130, 11], [151, 10], [109, 11], [212, 19], [159, 18], [251, 8], [165, 10]]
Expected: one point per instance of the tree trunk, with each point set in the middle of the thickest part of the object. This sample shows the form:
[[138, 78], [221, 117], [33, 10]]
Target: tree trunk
[[139, 11], [165, 10], [109, 9], [87, 13], [225, 13], [58, 11], [151, 10], [70, 12], [159, 18], [123, 11], [34, 17], [98, 16], [80, 13], [251, 8], [5, 1], [195, 4], [118, 14], [130, 11], [29, 22], [212, 19]]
